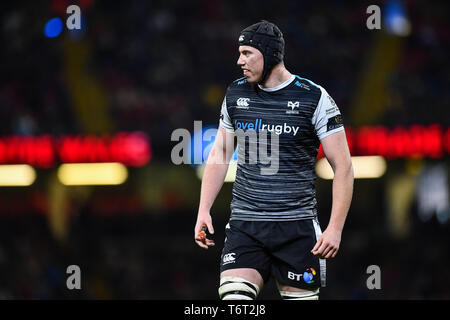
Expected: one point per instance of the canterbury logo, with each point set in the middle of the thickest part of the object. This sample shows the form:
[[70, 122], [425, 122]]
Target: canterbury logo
[[242, 102], [228, 258], [293, 105]]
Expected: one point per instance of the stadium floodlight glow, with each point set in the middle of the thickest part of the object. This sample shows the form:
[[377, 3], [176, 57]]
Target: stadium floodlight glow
[[106, 173], [17, 175], [364, 167], [53, 28], [396, 19]]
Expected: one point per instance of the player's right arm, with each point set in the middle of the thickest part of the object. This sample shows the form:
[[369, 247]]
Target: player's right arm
[[213, 177]]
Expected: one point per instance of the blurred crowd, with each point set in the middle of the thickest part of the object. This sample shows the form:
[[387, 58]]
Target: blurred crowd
[[164, 64]]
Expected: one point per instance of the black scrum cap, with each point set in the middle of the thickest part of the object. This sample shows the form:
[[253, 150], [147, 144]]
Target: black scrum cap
[[267, 38]]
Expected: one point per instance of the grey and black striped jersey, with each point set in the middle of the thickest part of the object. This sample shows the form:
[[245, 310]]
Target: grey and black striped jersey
[[298, 113]]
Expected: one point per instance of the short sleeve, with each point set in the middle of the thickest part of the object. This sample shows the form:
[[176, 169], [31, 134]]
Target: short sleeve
[[327, 118], [225, 120]]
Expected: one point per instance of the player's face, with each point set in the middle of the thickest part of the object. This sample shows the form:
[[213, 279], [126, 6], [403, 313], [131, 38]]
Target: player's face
[[251, 62]]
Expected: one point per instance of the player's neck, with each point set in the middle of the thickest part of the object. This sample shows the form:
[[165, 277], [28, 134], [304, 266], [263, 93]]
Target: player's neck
[[277, 76]]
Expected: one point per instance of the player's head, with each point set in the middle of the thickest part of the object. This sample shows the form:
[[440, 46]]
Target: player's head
[[267, 38]]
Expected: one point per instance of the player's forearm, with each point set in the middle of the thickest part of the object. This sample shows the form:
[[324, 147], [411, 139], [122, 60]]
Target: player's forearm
[[342, 196], [212, 181]]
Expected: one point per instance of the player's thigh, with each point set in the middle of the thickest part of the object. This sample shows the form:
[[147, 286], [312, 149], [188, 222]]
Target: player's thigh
[[285, 287], [249, 274], [240, 284], [288, 292]]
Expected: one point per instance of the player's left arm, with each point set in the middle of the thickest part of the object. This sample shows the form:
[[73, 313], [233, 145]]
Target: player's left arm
[[338, 155]]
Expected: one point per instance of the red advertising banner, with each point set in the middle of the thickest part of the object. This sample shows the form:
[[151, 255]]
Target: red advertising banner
[[431, 141], [129, 148]]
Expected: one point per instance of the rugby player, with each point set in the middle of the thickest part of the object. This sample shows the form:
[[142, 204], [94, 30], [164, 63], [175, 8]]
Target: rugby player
[[273, 230]]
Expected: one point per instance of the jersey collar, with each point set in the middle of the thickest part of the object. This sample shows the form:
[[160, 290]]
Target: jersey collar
[[280, 86]]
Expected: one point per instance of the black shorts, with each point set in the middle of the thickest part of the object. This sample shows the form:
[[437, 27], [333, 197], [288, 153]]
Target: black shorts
[[278, 249]]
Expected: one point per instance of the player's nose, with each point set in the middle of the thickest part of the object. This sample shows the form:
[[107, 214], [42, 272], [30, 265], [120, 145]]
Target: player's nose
[[240, 62]]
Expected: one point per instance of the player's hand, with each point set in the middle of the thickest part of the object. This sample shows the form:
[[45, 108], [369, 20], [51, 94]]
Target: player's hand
[[328, 244], [204, 222]]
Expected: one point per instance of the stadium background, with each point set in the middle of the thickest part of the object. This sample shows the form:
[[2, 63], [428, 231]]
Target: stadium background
[[150, 67]]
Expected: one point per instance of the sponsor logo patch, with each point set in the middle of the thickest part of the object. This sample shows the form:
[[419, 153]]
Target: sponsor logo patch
[[335, 122], [228, 258]]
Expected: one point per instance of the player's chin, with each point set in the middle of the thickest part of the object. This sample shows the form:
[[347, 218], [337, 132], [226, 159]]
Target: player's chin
[[253, 79]]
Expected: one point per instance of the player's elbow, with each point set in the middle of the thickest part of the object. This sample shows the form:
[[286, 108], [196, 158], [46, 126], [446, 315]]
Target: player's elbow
[[351, 173], [344, 168], [348, 172]]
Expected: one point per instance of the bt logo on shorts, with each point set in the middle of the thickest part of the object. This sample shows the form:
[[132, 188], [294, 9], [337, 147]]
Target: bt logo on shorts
[[229, 258], [308, 275]]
